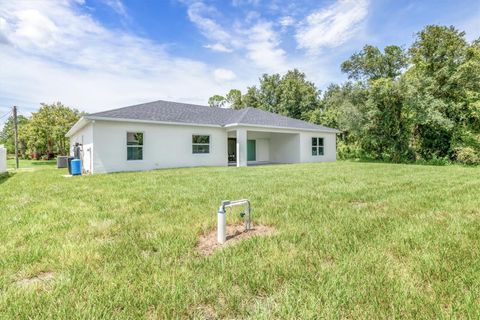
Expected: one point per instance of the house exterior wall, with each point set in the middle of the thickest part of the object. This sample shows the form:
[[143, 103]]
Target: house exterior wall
[[285, 147], [165, 146], [329, 142], [262, 150], [170, 145], [292, 146], [85, 138], [262, 145]]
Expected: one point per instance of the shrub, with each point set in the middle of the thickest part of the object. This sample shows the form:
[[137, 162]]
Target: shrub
[[345, 151], [435, 161], [467, 155]]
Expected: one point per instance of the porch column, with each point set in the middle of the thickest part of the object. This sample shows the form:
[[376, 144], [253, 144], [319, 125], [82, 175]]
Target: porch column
[[241, 147]]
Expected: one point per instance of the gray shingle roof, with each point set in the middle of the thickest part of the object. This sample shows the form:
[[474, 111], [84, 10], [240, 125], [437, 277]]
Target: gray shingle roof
[[167, 111]]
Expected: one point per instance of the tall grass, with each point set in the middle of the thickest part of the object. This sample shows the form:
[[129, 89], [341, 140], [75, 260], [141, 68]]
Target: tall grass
[[353, 240]]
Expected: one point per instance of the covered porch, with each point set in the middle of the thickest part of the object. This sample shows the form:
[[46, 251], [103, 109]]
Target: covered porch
[[248, 147]]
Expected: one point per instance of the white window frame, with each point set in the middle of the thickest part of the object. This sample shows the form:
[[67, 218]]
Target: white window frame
[[317, 147], [209, 144], [142, 146]]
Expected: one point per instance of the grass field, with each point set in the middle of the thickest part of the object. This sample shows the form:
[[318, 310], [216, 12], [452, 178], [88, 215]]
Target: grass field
[[353, 240]]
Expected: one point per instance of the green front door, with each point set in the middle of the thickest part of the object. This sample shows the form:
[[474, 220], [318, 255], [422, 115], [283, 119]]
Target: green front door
[[251, 154]]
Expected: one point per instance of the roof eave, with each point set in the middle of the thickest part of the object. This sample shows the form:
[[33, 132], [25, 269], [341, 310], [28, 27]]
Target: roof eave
[[230, 125], [82, 122], [152, 121]]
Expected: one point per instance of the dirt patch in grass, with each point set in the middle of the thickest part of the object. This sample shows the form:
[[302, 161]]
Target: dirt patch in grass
[[41, 278], [205, 312], [359, 203], [364, 204], [207, 244], [102, 225]]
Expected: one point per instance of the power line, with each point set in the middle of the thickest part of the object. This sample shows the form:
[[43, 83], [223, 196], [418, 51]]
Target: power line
[[5, 118], [3, 123], [6, 114]]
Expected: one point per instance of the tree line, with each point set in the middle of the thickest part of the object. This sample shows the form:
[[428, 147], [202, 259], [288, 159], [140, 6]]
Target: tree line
[[42, 135], [420, 103]]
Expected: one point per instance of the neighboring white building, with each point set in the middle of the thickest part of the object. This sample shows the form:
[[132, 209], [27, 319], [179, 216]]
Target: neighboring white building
[[164, 134], [3, 159]]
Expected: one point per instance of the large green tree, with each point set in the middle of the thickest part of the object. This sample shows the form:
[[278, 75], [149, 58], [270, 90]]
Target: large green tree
[[372, 64], [42, 134], [233, 99], [422, 103], [444, 73], [48, 126], [379, 120], [345, 107], [216, 101], [399, 104], [386, 131], [7, 136], [290, 95]]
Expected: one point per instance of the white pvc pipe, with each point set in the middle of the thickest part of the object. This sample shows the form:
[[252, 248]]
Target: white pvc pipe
[[222, 218], [221, 226]]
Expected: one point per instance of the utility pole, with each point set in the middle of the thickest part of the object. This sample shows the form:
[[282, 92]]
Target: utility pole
[[15, 127]]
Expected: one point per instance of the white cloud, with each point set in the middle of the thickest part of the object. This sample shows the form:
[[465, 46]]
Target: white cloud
[[258, 40], [263, 47], [218, 47], [224, 74], [286, 21], [251, 16], [332, 26], [33, 28], [117, 6], [237, 3], [53, 51], [197, 12]]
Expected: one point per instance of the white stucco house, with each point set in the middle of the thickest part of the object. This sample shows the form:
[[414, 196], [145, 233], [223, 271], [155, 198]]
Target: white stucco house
[[163, 134]]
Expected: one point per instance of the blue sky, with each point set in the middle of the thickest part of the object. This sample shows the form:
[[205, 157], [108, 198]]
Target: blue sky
[[101, 54]]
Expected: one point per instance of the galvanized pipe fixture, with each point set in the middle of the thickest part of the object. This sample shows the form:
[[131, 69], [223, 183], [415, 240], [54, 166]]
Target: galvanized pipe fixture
[[222, 219]]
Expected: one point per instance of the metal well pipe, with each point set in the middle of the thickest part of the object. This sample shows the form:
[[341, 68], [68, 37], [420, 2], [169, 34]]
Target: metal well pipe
[[222, 219]]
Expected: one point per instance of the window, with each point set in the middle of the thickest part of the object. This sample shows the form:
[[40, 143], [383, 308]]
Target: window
[[200, 144], [317, 146], [134, 145]]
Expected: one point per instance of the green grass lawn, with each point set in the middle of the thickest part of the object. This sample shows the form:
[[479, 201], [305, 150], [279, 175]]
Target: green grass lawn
[[30, 164], [353, 240]]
